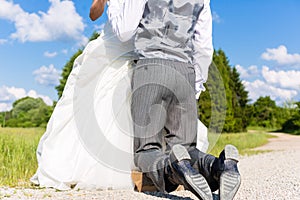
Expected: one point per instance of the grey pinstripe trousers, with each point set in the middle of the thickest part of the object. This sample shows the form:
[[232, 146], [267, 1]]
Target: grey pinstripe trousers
[[163, 98]]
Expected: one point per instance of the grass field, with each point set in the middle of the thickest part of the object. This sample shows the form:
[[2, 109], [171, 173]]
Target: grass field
[[17, 155], [18, 145], [245, 142], [259, 128]]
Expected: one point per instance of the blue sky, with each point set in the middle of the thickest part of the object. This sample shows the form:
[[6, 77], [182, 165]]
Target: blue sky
[[37, 38]]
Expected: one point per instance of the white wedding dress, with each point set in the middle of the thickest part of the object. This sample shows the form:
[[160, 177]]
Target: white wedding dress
[[88, 142]]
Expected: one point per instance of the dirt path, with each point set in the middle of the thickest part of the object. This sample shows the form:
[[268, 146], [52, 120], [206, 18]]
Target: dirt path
[[273, 175], [282, 141]]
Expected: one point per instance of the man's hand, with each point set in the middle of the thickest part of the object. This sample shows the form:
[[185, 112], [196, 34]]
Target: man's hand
[[97, 9]]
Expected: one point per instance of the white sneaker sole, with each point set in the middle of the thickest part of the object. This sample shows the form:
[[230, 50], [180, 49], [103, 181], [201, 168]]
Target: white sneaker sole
[[230, 181]]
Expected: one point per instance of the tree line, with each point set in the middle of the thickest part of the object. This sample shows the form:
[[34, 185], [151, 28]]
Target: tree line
[[228, 100], [224, 107], [27, 112]]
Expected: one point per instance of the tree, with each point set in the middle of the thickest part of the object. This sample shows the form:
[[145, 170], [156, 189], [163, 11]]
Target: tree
[[2, 119], [286, 112], [239, 102], [292, 125], [29, 112], [225, 93], [264, 110], [24, 105], [212, 102]]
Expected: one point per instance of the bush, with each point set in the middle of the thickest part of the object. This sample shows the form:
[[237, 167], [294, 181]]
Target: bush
[[29, 112], [292, 126]]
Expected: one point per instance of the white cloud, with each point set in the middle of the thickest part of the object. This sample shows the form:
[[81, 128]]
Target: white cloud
[[46, 99], [8, 10], [48, 76], [243, 72], [281, 56], [247, 72], [287, 79], [216, 18], [279, 85], [260, 88], [3, 41], [8, 95], [14, 92], [50, 54], [60, 22], [5, 107], [64, 51]]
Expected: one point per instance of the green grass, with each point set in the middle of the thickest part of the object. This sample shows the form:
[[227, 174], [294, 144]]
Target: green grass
[[17, 155], [243, 141], [262, 129]]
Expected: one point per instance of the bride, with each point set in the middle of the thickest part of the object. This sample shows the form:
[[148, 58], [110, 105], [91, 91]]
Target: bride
[[88, 140]]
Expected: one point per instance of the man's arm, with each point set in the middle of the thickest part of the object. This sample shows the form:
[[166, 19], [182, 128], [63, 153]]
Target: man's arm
[[203, 48], [125, 18], [97, 9]]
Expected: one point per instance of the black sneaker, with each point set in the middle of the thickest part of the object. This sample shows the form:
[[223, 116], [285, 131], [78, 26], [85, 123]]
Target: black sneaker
[[186, 175], [230, 178]]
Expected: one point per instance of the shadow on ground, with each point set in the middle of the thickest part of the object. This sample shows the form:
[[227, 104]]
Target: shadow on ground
[[174, 197]]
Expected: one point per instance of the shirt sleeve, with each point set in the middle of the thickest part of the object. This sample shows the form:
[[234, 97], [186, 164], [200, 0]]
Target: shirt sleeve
[[124, 17], [203, 48]]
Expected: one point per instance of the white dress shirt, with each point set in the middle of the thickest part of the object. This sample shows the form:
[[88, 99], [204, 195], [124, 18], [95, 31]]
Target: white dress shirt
[[125, 15]]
